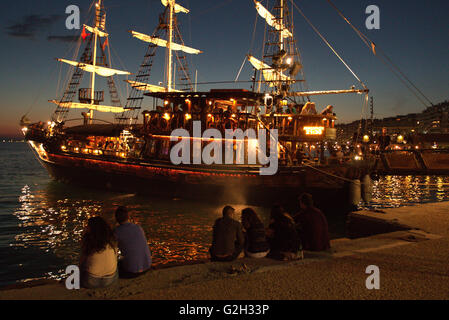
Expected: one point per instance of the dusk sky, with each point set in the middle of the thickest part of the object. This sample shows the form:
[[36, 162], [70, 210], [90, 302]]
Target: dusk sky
[[414, 34]]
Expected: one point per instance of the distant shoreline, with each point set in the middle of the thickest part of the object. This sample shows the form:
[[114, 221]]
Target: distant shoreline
[[9, 140]]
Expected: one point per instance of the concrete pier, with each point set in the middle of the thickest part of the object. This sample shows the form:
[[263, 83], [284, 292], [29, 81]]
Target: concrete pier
[[413, 259]]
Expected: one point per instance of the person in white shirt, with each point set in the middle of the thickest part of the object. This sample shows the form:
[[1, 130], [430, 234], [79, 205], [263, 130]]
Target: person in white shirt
[[98, 260]]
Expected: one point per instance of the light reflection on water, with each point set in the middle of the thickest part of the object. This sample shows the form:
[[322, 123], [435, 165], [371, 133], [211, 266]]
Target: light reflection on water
[[41, 221], [52, 221], [396, 191]]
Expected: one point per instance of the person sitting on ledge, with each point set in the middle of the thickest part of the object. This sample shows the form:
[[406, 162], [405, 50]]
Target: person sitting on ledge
[[133, 246], [312, 225], [256, 245], [98, 260], [227, 237], [282, 236]]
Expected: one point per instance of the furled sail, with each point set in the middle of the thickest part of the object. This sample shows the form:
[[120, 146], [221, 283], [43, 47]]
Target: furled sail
[[77, 105], [271, 20], [163, 43], [148, 87], [324, 92], [270, 75], [95, 30], [177, 8], [102, 71]]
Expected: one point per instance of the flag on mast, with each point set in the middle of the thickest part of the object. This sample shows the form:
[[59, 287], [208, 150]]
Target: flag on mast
[[84, 34], [106, 42]]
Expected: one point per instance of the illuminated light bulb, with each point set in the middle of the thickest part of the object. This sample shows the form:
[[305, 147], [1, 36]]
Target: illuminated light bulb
[[166, 116], [188, 116], [289, 60]]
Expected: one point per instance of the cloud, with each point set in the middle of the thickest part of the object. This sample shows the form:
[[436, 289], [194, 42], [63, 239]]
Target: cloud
[[63, 38], [31, 25]]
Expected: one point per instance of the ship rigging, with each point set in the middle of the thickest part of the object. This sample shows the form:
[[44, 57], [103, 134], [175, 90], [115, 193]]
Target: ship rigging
[[132, 154]]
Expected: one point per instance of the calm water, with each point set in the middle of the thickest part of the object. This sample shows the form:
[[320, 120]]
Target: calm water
[[41, 221]]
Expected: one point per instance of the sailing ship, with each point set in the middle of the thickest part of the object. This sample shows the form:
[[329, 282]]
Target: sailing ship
[[132, 153]]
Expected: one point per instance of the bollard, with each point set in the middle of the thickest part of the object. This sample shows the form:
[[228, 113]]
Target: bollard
[[355, 191], [367, 189]]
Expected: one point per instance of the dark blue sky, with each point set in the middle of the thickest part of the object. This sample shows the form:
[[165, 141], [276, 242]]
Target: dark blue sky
[[413, 33]]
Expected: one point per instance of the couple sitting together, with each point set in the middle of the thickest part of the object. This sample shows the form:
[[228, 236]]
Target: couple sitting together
[[284, 239], [99, 251]]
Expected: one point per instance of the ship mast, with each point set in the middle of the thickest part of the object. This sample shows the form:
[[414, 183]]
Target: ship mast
[[88, 97], [171, 5], [94, 57], [281, 61], [166, 35], [278, 58], [281, 38]]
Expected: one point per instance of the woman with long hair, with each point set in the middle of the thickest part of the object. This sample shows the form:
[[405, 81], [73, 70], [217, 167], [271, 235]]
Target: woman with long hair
[[256, 245], [98, 261], [283, 238]]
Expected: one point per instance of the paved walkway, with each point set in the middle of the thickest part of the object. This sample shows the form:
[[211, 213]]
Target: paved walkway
[[414, 264]]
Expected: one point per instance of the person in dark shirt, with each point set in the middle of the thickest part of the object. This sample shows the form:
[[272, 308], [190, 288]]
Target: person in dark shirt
[[256, 245], [312, 225], [282, 236], [227, 238], [133, 246]]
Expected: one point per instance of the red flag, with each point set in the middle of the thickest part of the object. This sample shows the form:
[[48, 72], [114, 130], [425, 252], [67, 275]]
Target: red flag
[[105, 44], [84, 34]]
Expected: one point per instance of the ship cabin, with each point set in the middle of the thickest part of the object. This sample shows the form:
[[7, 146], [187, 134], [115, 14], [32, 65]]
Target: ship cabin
[[302, 132]]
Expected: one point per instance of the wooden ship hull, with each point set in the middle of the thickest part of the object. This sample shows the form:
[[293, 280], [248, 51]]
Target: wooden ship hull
[[328, 183]]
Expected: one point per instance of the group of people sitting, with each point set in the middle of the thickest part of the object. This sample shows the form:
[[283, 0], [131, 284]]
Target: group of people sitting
[[285, 238]]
